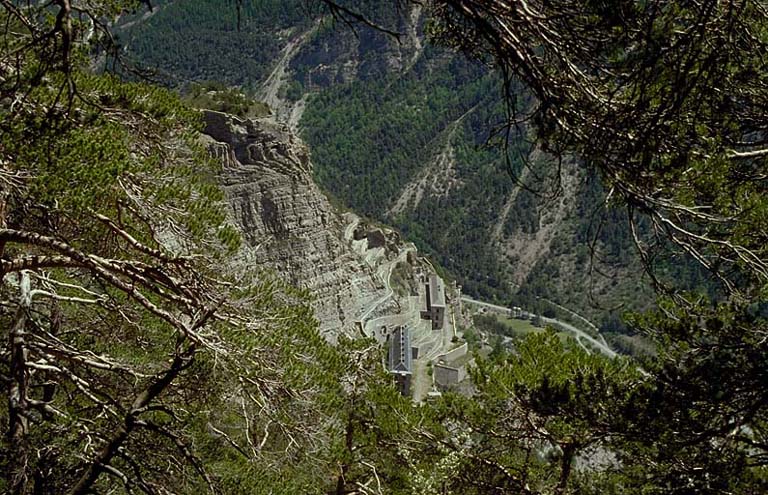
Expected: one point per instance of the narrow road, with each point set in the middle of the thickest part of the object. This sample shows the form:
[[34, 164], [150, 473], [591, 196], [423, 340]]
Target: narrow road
[[579, 317], [580, 334], [350, 228], [385, 267]]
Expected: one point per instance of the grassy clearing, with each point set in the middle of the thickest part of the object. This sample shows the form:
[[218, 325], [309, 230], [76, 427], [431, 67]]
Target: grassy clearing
[[498, 324], [519, 327], [502, 325]]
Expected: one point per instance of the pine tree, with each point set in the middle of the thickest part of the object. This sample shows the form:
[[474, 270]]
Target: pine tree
[[139, 351]]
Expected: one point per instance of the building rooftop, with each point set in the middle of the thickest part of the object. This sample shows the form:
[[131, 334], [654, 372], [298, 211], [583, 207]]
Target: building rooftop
[[436, 291], [399, 359]]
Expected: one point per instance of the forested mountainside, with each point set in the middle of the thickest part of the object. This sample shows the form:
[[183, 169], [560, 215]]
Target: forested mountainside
[[203, 40], [398, 132]]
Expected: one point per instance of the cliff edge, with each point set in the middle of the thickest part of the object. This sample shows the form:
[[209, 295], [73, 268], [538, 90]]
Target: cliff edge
[[287, 221]]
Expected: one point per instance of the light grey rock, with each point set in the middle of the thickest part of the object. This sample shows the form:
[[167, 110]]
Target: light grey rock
[[286, 219]]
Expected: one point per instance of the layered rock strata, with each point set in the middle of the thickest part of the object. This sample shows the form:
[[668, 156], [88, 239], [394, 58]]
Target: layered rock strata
[[287, 221]]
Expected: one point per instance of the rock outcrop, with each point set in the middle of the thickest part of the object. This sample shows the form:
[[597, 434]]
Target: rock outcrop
[[286, 219]]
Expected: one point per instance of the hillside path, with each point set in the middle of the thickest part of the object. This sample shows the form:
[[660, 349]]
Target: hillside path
[[269, 92]]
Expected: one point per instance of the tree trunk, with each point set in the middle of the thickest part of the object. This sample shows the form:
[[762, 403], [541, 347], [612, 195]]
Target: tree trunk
[[85, 484], [4, 193], [569, 451], [349, 437], [18, 402]]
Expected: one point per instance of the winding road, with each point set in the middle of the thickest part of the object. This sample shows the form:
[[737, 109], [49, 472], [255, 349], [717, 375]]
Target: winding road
[[387, 285], [580, 335]]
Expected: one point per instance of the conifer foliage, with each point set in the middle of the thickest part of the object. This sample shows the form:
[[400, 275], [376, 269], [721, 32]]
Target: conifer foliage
[[141, 355], [134, 355]]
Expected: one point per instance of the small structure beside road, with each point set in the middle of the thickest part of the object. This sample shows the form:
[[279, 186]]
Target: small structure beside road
[[451, 367]]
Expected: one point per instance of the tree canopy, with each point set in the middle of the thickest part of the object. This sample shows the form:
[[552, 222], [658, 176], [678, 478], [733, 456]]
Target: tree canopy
[[665, 99], [140, 356], [139, 352]]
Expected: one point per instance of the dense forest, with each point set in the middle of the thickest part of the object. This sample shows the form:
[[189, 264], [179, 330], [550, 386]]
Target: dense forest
[[186, 44], [139, 358]]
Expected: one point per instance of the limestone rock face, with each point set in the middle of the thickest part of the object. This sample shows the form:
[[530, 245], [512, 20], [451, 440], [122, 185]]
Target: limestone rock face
[[287, 221]]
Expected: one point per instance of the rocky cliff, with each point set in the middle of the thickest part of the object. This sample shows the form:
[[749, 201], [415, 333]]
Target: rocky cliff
[[288, 222]]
